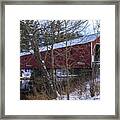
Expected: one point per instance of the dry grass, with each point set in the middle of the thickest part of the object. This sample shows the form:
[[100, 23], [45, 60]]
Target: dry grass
[[78, 84], [41, 96]]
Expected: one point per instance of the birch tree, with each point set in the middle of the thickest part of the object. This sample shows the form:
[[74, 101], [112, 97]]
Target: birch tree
[[35, 33], [30, 41]]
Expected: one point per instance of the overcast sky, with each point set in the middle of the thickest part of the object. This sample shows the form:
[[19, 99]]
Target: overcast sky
[[90, 28]]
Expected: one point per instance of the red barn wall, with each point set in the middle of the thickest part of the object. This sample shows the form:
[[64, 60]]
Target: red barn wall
[[79, 56]]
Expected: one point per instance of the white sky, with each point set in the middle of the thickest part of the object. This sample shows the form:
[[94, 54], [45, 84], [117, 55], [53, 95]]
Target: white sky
[[89, 30]]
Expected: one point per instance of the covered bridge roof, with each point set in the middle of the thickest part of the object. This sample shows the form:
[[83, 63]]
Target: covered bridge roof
[[77, 41]]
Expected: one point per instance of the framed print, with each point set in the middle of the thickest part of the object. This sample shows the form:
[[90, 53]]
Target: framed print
[[60, 60]]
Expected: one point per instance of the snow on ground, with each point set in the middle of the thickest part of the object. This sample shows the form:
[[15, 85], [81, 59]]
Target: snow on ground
[[76, 96], [86, 95], [26, 73]]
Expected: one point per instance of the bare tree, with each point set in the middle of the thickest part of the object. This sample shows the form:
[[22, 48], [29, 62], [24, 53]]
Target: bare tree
[[35, 34], [30, 37]]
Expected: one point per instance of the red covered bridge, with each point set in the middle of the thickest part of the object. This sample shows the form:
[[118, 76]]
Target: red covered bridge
[[81, 52]]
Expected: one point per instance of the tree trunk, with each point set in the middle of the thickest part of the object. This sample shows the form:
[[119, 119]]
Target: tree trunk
[[48, 83], [67, 72], [53, 69], [67, 77]]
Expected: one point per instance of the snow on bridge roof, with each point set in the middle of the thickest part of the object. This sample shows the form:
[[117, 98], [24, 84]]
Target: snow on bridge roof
[[81, 40]]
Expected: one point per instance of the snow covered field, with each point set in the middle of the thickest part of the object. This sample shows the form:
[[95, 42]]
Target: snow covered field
[[84, 95], [76, 96]]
